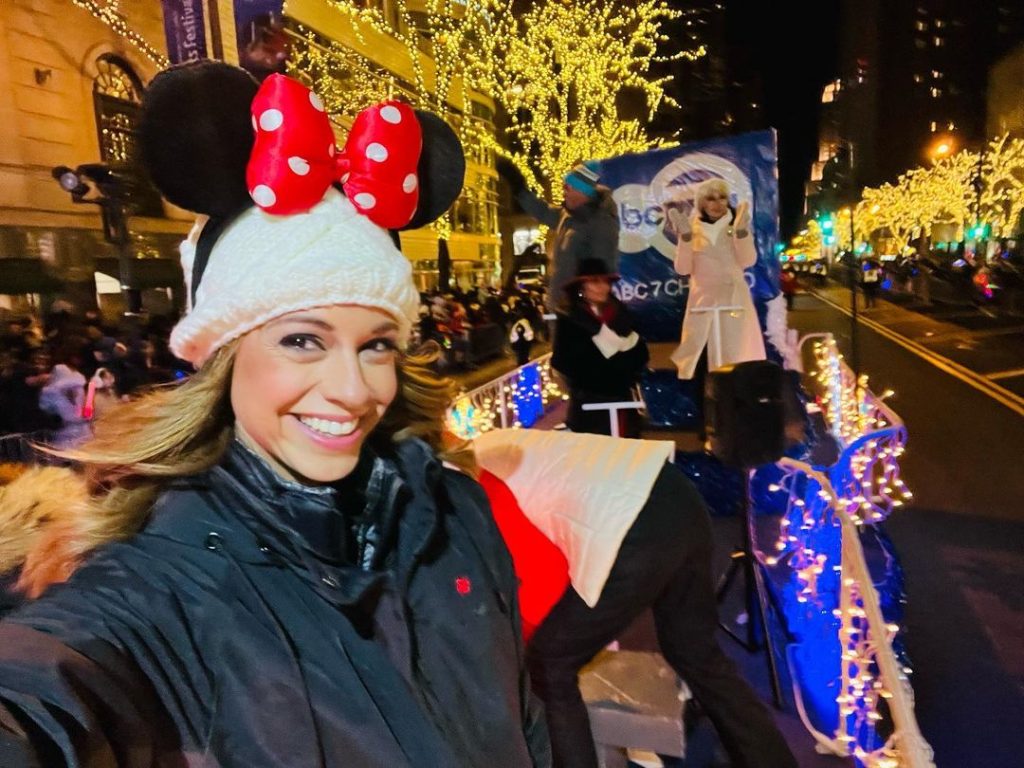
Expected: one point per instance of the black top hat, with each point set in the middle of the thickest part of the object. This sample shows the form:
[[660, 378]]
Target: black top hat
[[590, 268]]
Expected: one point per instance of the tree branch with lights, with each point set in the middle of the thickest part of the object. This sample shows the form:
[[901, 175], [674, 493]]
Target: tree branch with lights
[[559, 71], [985, 190]]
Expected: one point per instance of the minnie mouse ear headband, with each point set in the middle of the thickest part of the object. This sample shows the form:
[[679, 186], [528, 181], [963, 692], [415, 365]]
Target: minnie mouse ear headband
[[287, 220]]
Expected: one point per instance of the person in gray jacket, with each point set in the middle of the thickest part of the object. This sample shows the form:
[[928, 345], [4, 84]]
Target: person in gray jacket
[[586, 225]]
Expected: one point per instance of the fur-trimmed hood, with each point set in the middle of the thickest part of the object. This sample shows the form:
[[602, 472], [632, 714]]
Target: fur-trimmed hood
[[41, 511]]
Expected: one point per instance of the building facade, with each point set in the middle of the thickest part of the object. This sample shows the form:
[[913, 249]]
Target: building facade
[[1006, 95], [70, 91], [912, 81]]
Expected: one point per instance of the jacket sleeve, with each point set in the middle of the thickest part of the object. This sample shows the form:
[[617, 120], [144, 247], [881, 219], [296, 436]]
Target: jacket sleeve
[[535, 724], [61, 707], [684, 257], [603, 241], [499, 562], [566, 348], [537, 208], [745, 251]]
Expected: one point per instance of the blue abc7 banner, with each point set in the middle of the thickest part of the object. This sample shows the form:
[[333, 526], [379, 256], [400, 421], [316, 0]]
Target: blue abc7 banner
[[645, 186]]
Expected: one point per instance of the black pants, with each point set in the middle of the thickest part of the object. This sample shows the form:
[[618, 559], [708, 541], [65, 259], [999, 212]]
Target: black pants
[[665, 564], [870, 294]]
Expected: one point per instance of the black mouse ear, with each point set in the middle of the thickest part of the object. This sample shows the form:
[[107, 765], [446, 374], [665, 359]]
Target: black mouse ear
[[441, 170], [196, 135]]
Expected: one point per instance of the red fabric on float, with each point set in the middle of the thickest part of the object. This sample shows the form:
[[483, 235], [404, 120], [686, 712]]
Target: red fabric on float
[[541, 567]]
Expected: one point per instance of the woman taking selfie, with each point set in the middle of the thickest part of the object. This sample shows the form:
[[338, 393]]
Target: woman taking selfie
[[265, 567]]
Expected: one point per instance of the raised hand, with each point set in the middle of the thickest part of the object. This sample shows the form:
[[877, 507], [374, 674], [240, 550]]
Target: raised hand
[[741, 222], [680, 223]]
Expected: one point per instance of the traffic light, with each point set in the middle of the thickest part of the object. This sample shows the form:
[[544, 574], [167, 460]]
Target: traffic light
[[978, 231], [830, 240], [826, 224]]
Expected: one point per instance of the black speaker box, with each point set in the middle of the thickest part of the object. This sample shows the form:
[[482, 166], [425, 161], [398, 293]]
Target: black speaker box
[[744, 413]]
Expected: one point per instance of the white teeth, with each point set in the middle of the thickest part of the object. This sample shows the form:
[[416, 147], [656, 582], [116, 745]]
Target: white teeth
[[330, 428]]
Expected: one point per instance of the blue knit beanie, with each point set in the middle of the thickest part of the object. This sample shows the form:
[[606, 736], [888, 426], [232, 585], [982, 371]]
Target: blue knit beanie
[[584, 178]]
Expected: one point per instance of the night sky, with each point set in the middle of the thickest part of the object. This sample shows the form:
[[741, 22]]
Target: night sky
[[794, 66], [771, 39]]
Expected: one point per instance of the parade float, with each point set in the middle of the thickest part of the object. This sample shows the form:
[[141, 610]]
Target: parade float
[[835, 620]]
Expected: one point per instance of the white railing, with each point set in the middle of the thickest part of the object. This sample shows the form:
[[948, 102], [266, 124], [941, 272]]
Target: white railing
[[831, 604], [837, 579], [513, 400]]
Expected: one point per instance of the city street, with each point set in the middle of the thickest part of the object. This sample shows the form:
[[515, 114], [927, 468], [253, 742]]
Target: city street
[[962, 542]]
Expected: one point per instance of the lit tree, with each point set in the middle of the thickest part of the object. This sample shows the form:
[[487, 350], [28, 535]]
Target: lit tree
[[808, 241], [345, 81], [109, 13], [559, 71], [441, 39], [1002, 199]]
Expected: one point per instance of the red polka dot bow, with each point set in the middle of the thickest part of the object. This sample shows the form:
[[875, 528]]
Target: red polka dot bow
[[295, 160]]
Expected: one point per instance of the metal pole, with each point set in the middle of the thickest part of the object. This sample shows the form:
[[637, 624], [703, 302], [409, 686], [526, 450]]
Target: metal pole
[[119, 224], [854, 348], [979, 249]]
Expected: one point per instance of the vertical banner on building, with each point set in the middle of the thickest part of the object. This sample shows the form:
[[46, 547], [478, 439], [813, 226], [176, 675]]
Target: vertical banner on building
[[185, 31], [262, 41], [645, 186]]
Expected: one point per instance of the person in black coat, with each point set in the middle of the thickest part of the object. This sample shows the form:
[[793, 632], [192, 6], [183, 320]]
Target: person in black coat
[[264, 566], [598, 352]]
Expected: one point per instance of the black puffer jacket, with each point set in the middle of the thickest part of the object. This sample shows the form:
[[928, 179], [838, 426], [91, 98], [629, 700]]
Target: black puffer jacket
[[252, 624]]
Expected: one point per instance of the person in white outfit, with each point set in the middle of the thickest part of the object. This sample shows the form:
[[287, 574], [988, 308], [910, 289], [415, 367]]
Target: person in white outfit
[[714, 246]]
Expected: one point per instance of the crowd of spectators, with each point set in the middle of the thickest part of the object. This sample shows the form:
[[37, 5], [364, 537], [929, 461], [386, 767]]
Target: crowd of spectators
[[58, 371], [474, 325], [61, 370]]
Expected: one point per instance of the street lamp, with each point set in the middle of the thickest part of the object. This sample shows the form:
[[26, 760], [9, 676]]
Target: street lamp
[[942, 148], [112, 189]]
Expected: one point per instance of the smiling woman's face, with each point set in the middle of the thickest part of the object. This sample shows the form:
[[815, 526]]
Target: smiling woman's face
[[715, 205], [309, 387]]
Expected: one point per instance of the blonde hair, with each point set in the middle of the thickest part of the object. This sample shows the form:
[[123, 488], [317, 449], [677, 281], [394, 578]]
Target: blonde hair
[[181, 430], [710, 186]]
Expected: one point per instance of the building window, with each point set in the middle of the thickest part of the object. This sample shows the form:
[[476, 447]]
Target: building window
[[939, 23], [918, 79], [936, 75], [117, 97], [933, 127], [935, 92], [938, 42], [921, 26], [919, 43], [951, 126]]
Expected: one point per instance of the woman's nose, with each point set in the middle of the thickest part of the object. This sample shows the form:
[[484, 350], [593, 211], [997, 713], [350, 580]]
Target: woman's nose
[[345, 384]]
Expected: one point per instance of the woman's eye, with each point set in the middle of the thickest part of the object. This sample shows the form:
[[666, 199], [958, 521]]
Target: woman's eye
[[301, 341], [380, 348]]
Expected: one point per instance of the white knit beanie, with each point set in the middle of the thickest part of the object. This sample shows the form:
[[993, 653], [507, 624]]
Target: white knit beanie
[[264, 266]]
